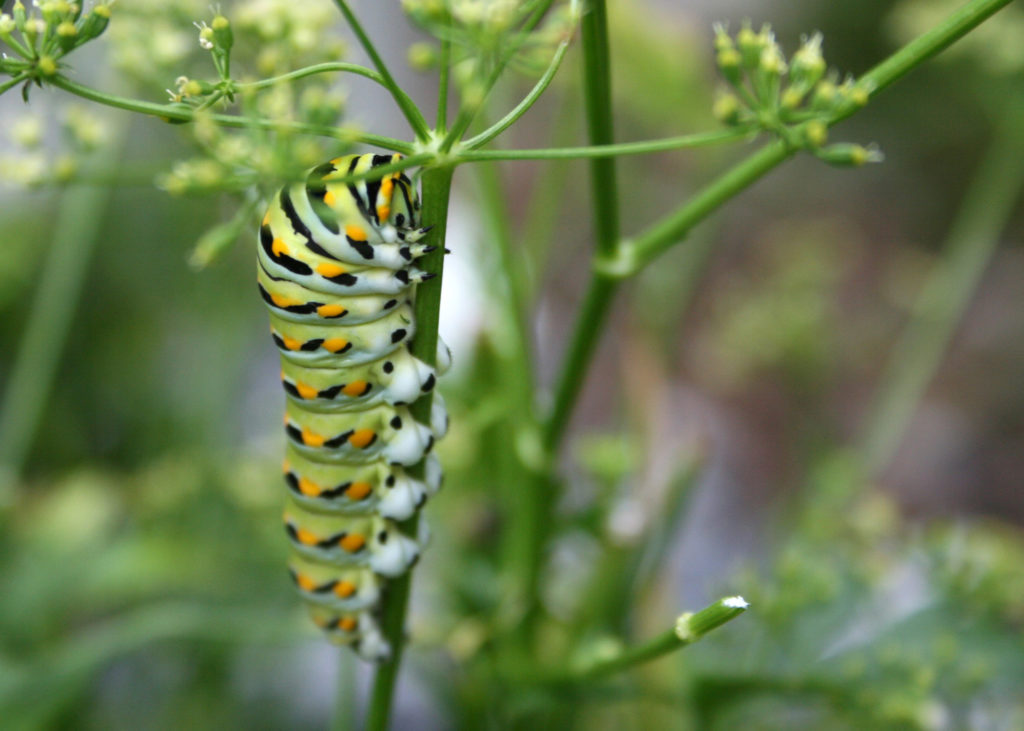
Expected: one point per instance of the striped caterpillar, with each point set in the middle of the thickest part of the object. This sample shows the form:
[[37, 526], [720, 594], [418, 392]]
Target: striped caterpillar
[[337, 272]]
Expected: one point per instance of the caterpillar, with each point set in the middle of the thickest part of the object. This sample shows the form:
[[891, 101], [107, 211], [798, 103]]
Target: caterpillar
[[336, 268]]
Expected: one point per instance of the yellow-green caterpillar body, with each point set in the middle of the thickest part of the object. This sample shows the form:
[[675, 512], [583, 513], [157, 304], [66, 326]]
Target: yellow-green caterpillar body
[[336, 268]]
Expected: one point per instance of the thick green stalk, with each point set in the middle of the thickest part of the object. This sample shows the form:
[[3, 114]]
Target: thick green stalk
[[940, 306], [436, 190], [409, 109], [75, 236]]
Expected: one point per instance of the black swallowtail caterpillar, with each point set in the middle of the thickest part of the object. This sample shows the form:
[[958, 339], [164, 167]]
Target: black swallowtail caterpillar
[[336, 269]]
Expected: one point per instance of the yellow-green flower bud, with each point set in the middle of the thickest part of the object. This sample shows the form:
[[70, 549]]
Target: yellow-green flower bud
[[791, 98], [95, 23], [47, 66], [729, 61], [825, 95], [750, 46], [18, 11], [723, 41], [772, 61], [222, 35], [423, 56], [727, 108], [67, 35], [815, 133], [808, 64], [7, 25], [206, 37]]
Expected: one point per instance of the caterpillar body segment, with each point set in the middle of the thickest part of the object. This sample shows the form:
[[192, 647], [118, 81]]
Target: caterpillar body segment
[[336, 268]]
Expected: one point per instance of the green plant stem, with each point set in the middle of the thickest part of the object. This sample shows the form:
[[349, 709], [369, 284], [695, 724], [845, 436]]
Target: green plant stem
[[689, 628], [597, 99], [645, 147], [320, 68], [443, 77], [409, 109], [635, 254], [940, 307], [166, 111], [75, 236], [436, 191], [522, 107], [13, 82]]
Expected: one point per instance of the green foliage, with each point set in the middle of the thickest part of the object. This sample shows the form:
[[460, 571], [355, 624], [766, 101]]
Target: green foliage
[[141, 554]]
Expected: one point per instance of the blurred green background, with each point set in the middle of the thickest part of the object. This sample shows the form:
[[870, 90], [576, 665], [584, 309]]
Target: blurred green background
[[141, 558]]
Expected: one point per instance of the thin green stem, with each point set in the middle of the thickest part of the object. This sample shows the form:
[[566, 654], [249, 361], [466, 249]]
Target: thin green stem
[[645, 147], [13, 82], [168, 112], [409, 109], [320, 68], [436, 191], [528, 101], [635, 254], [940, 307], [689, 628], [444, 74], [925, 46], [53, 308]]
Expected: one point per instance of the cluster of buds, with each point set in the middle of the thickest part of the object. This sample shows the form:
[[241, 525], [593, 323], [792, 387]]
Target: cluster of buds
[[53, 29], [796, 100]]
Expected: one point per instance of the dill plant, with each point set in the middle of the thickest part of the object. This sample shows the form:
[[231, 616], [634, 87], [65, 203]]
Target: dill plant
[[254, 90]]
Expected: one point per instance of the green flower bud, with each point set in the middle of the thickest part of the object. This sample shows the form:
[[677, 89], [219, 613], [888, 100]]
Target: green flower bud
[[791, 98], [815, 133], [729, 61], [848, 154], [95, 23], [423, 56], [825, 95], [723, 41], [808, 64], [67, 35], [47, 66], [727, 108], [222, 35], [750, 47], [18, 11], [7, 26]]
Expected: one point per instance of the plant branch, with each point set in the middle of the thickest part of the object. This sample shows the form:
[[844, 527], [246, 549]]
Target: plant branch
[[528, 101], [409, 109], [320, 68], [688, 629], [170, 112], [645, 147]]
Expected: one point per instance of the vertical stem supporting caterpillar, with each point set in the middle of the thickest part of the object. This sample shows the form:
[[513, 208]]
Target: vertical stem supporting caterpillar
[[435, 191]]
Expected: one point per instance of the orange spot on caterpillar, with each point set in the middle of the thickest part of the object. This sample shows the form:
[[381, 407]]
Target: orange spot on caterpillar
[[361, 438], [335, 344], [312, 439], [330, 270], [278, 247], [309, 488], [352, 542], [305, 390], [306, 537], [281, 301], [358, 490], [329, 198], [356, 233], [305, 582], [355, 389], [330, 310], [347, 623], [344, 589], [291, 343]]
